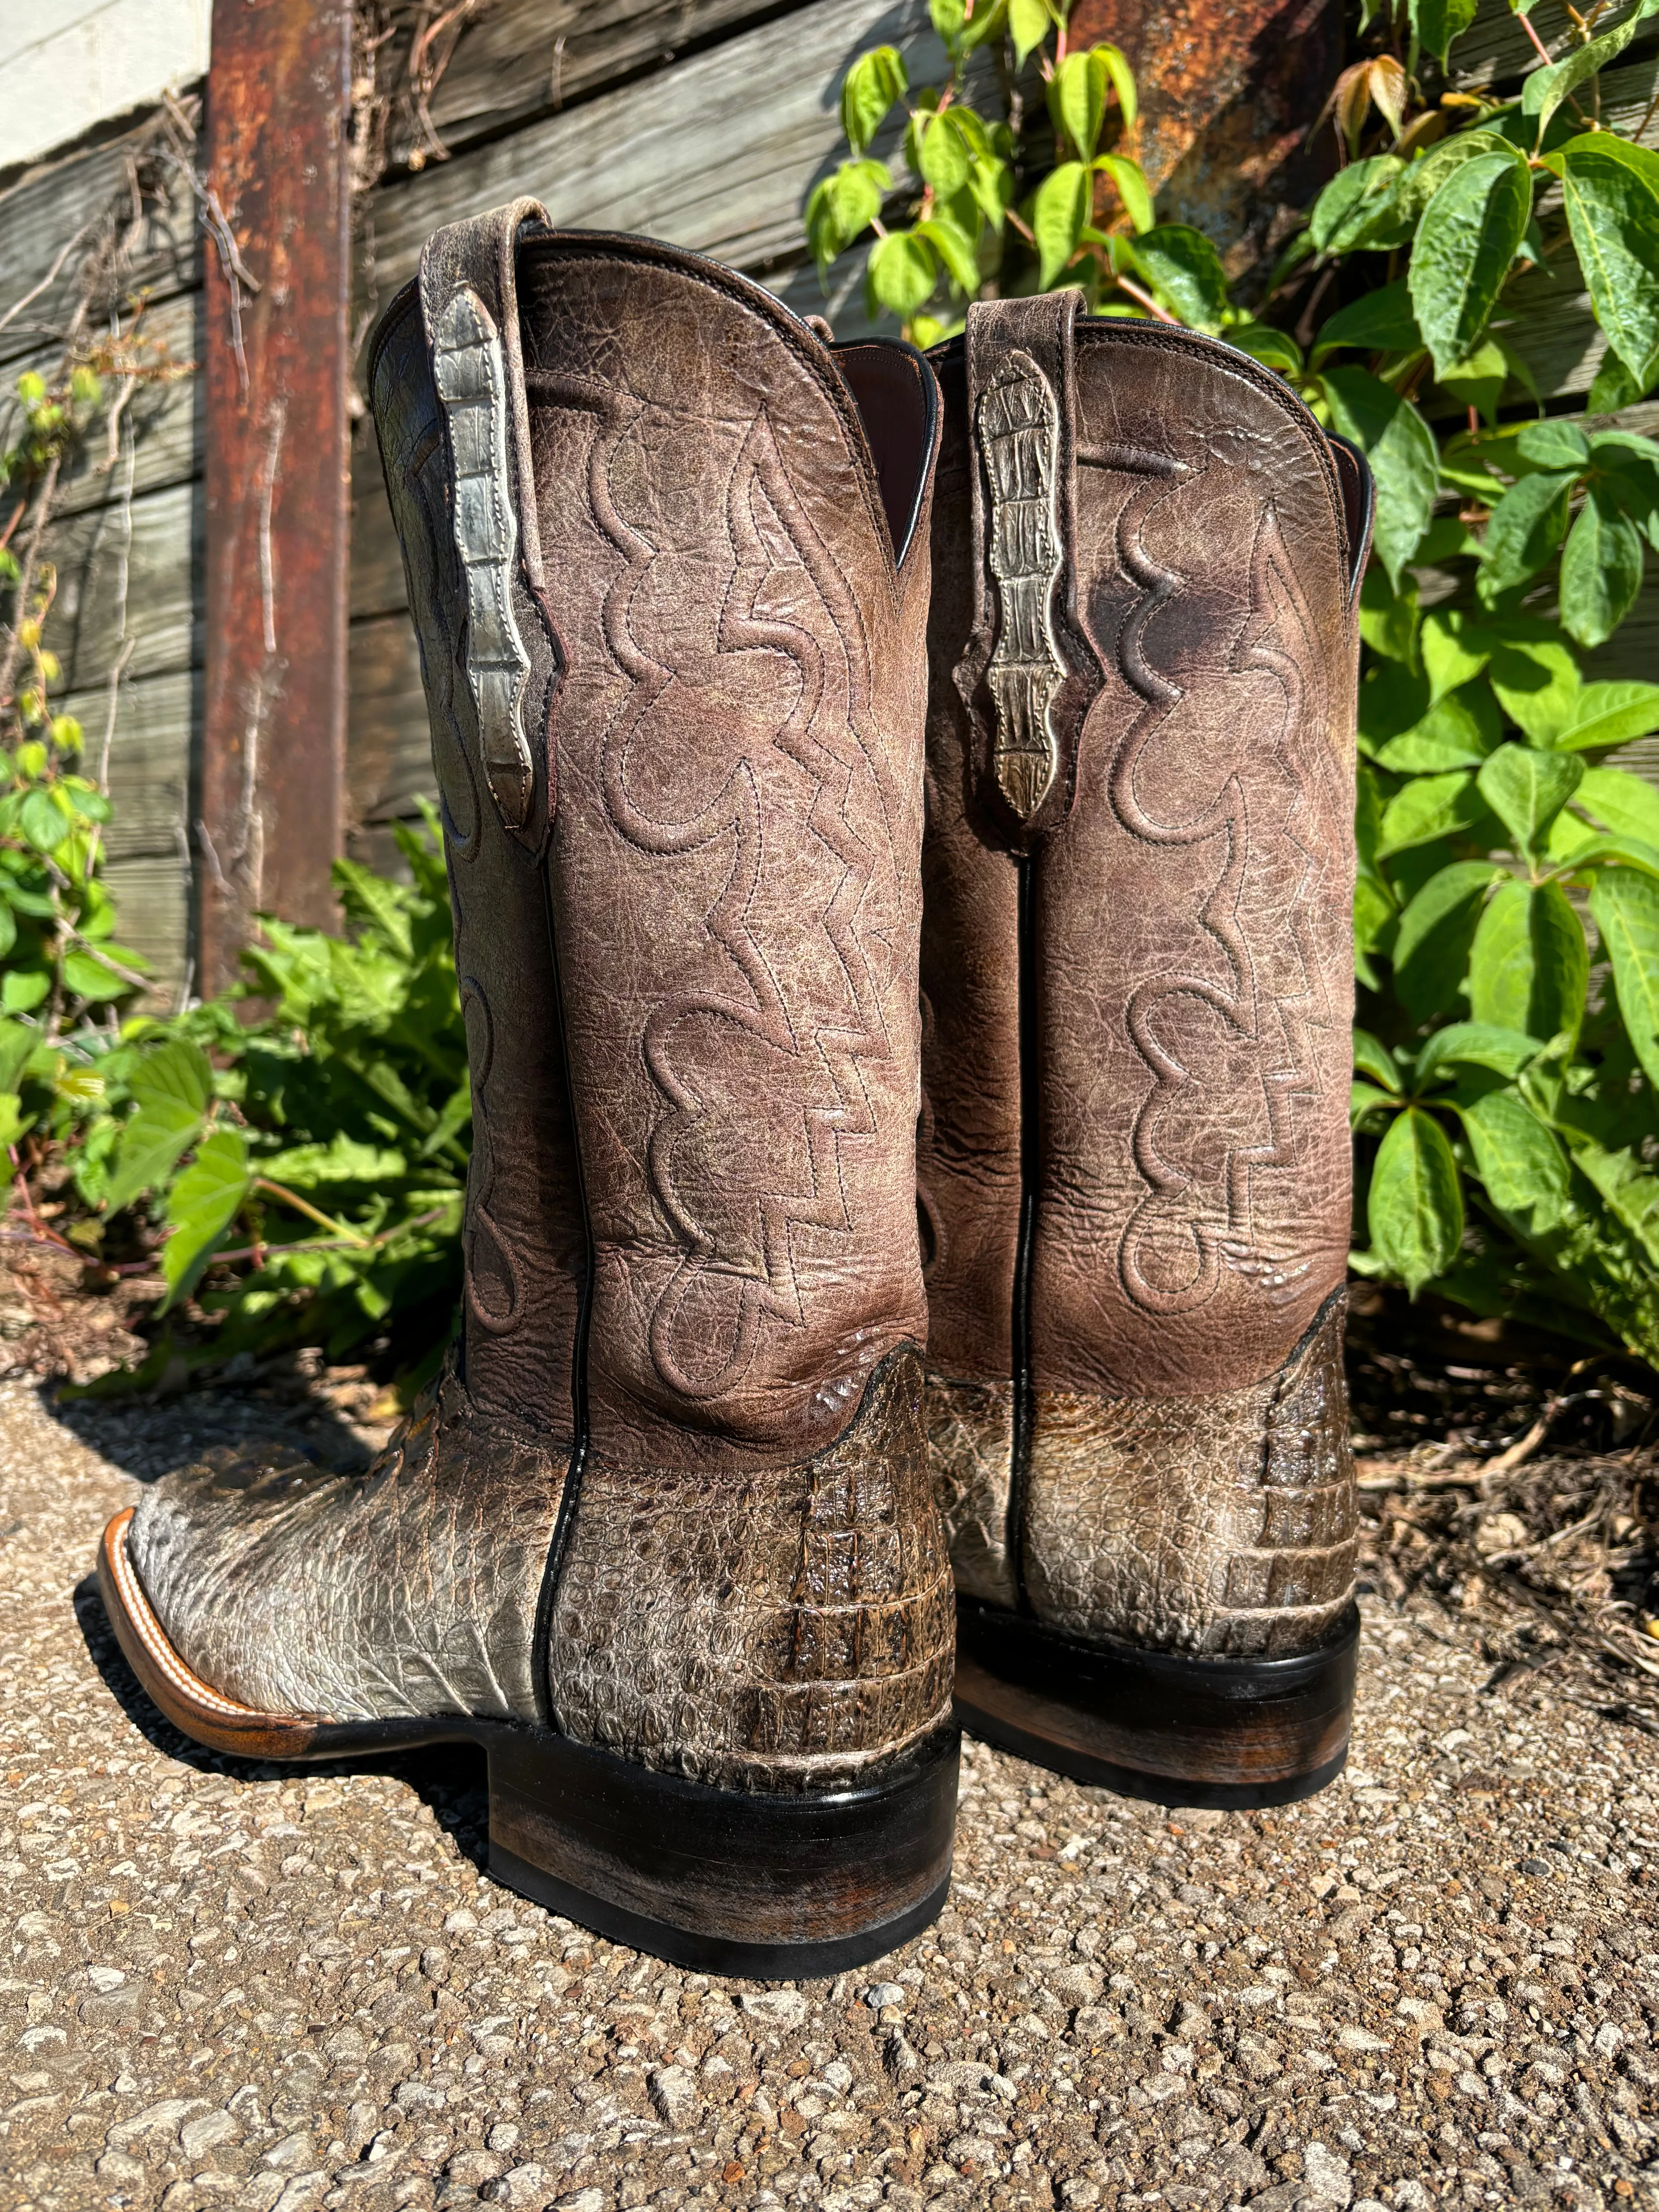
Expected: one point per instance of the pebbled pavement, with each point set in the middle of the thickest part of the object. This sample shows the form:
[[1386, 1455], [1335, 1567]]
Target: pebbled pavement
[[245, 1987]]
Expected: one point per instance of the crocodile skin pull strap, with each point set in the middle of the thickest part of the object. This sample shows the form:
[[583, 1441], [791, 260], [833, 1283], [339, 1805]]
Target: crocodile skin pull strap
[[1030, 671], [469, 306]]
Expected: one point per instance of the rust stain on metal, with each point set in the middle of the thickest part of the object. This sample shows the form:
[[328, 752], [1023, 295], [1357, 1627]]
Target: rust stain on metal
[[270, 818], [1227, 88]]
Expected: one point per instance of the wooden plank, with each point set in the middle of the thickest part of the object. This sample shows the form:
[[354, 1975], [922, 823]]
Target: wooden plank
[[42, 211], [1495, 50], [152, 899], [164, 422], [377, 560], [158, 545], [718, 155], [277, 491], [390, 752], [524, 59], [150, 758]]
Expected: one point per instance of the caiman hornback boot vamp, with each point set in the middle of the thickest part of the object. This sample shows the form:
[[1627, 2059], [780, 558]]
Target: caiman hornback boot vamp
[[662, 1541], [1137, 976]]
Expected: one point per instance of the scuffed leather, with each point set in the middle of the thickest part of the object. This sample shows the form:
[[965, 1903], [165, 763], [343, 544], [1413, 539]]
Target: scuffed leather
[[970, 1442], [1217, 1524], [686, 936], [1189, 998], [408, 1590], [778, 1631]]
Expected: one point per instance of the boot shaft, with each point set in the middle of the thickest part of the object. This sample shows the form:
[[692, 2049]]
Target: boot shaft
[[670, 586]]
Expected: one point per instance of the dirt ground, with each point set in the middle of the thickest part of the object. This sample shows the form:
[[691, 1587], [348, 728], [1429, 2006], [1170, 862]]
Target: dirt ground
[[241, 1986]]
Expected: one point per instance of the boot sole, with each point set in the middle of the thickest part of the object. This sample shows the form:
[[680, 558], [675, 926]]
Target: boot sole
[[1227, 1733], [721, 1881]]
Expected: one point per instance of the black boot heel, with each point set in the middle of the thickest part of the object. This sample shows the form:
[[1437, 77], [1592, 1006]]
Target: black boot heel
[[724, 1880], [1182, 1730]]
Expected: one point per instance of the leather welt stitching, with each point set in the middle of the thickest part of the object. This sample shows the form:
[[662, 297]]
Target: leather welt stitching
[[160, 1652], [831, 704], [1273, 595], [1017, 427]]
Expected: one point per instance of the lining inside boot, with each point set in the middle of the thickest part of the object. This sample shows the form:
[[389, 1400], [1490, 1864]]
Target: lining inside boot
[[894, 392]]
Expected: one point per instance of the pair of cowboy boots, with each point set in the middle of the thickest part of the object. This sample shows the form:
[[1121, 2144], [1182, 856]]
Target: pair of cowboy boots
[[774, 1409]]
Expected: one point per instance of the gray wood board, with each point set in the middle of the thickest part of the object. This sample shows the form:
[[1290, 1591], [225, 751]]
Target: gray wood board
[[388, 747], [524, 59], [151, 745], [159, 540], [717, 154], [152, 898], [41, 212]]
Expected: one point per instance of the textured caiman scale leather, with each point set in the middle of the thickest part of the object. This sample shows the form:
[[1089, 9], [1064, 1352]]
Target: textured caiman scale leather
[[668, 564], [1134, 1166]]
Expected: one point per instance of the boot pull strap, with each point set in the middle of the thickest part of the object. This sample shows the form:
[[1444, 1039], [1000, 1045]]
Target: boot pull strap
[[470, 308], [1030, 671]]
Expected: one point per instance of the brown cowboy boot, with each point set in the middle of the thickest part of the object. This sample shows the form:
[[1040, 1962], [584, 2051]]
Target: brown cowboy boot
[[662, 1541], [1136, 981]]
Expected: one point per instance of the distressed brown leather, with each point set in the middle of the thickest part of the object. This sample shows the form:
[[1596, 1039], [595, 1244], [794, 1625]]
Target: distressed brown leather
[[1178, 1008], [668, 563]]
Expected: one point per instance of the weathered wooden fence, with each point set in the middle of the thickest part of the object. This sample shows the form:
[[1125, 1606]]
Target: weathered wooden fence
[[702, 121]]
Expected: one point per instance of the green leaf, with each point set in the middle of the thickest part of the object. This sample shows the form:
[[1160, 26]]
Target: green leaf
[[1545, 88], [948, 16], [843, 206], [1601, 569], [1415, 1204], [1532, 672], [1123, 82], [1526, 790], [1077, 99], [1029, 24], [1364, 1099], [1437, 23], [1526, 1174], [901, 272], [1625, 906], [1379, 322], [955, 249], [1183, 267], [1459, 732], [1451, 658], [1427, 808], [1059, 213], [1129, 180], [1372, 1057], [201, 1206], [1604, 714], [1388, 617], [1476, 1045], [1481, 379], [44, 820], [21, 989], [1437, 936], [14, 1122], [8, 929], [1403, 456], [1526, 530], [1618, 852], [175, 1072], [90, 979], [172, 1085], [875, 81], [1470, 234], [1611, 191], [989, 21], [1556, 446], [1530, 964], [942, 153], [16, 1043], [1394, 221], [1274, 349], [1628, 1191], [1622, 802], [1351, 198]]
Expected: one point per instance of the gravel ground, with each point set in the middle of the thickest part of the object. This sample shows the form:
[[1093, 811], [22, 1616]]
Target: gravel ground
[[243, 1986]]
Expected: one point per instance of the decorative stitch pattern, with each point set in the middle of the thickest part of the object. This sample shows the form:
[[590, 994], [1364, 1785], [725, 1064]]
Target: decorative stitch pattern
[[1277, 608]]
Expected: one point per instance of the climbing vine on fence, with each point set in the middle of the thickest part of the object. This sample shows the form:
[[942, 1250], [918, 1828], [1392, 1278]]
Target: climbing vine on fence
[[1507, 916]]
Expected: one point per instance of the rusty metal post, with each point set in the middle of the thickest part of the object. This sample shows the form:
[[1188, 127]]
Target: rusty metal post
[[1228, 90], [270, 818]]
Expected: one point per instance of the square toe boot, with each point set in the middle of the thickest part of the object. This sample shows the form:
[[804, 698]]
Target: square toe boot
[[662, 1540], [1137, 970]]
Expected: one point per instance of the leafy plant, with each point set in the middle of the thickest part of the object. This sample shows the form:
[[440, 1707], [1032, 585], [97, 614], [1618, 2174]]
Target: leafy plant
[[1507, 908]]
